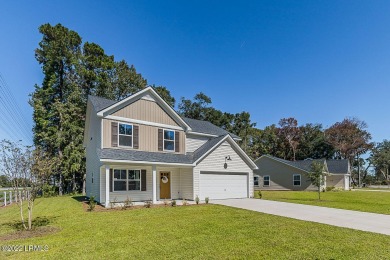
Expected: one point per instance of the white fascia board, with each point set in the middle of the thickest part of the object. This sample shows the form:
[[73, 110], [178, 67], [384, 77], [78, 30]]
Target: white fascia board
[[161, 101], [136, 121], [145, 162], [202, 134]]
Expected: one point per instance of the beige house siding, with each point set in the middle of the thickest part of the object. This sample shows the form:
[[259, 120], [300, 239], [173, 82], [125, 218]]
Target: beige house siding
[[215, 162], [193, 142], [281, 176], [148, 137], [335, 181], [146, 110]]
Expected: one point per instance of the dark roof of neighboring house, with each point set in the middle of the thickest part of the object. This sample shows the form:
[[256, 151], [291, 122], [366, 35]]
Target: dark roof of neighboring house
[[334, 166], [100, 103], [199, 126], [338, 166], [206, 127]]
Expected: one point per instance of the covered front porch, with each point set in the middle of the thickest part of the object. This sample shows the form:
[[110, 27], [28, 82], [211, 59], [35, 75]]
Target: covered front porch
[[144, 182]]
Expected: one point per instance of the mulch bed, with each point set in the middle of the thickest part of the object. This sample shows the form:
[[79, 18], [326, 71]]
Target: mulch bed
[[36, 232]]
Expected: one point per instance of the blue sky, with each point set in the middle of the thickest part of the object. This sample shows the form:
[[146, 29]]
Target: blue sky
[[317, 61]]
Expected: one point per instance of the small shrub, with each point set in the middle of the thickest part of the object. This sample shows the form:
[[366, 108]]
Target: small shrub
[[113, 202], [166, 202], [128, 203], [49, 191], [148, 204], [197, 200], [337, 189], [185, 202], [330, 188], [258, 194], [91, 203], [206, 200], [173, 203]]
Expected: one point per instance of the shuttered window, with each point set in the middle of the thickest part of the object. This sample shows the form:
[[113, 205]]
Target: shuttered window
[[169, 140], [125, 135]]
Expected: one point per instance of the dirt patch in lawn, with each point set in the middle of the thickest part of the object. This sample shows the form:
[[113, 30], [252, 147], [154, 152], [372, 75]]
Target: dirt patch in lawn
[[36, 232]]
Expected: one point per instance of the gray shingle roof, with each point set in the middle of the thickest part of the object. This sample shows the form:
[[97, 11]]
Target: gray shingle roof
[[338, 166], [134, 155], [334, 166], [100, 103], [206, 127], [206, 147]]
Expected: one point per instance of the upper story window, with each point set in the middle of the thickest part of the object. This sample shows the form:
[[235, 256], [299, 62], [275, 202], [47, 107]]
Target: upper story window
[[256, 180], [169, 140], [125, 135], [297, 179], [266, 181]]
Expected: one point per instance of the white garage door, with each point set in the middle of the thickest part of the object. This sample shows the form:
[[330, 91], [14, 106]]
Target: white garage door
[[217, 185]]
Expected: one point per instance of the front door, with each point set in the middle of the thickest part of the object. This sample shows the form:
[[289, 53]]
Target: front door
[[165, 185]]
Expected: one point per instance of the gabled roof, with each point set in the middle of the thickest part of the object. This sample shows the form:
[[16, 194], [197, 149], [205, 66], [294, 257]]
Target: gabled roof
[[303, 165], [205, 127], [338, 166], [100, 103], [153, 94], [190, 159]]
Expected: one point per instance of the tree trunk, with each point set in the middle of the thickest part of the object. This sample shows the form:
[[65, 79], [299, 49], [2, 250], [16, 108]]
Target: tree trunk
[[30, 212], [60, 192], [74, 183], [319, 192], [21, 211], [84, 177]]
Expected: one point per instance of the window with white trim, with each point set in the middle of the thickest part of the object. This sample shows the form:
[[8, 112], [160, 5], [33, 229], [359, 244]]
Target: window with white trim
[[169, 140], [119, 181], [134, 180], [297, 179], [256, 180], [266, 181], [125, 135]]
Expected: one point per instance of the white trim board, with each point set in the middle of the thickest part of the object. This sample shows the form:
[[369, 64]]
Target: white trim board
[[141, 122]]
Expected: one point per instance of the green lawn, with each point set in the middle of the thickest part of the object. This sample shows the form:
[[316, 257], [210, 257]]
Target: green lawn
[[368, 201], [204, 231]]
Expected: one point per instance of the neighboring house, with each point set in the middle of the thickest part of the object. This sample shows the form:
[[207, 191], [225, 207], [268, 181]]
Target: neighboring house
[[140, 148], [277, 174]]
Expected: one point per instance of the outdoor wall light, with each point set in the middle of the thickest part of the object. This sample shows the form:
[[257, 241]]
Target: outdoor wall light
[[227, 158]]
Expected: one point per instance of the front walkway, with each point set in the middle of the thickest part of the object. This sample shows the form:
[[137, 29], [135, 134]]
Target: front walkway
[[372, 222]]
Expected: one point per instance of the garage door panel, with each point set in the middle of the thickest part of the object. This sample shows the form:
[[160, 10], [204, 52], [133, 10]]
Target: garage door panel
[[223, 185]]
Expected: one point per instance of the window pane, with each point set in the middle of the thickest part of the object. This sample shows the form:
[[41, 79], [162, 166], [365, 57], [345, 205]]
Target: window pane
[[137, 174], [297, 177], [123, 174], [122, 129], [131, 175], [119, 185], [125, 140], [134, 185], [129, 129], [169, 135], [297, 183], [169, 145], [117, 174]]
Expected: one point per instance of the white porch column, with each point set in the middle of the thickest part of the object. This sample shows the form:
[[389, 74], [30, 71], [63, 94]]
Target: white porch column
[[5, 198], [107, 186], [154, 181]]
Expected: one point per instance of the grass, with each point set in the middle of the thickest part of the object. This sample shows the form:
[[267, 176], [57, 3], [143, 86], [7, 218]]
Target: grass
[[367, 201], [204, 231]]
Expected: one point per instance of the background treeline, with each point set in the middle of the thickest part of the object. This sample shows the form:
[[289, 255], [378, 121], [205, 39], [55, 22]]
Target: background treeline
[[74, 69]]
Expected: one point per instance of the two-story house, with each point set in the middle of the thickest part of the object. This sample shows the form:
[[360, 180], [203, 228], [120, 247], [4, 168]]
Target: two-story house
[[140, 148]]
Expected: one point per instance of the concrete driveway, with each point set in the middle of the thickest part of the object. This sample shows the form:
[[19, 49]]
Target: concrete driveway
[[377, 223]]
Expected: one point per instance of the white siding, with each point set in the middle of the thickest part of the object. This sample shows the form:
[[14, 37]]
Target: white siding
[[186, 183], [92, 160], [214, 162], [193, 142]]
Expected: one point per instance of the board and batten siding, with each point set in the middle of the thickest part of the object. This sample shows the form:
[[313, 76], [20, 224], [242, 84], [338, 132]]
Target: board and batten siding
[[146, 110], [214, 162], [193, 142], [121, 196], [148, 137], [281, 176], [92, 160]]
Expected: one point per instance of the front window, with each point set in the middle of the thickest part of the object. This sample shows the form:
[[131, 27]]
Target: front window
[[266, 181], [120, 179], [125, 135], [256, 180], [126, 180], [169, 140], [134, 180], [297, 179]]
